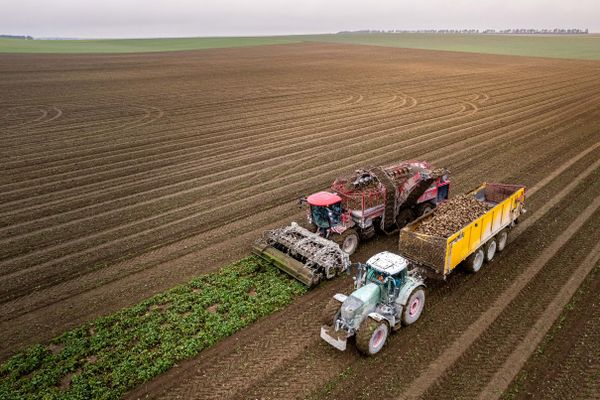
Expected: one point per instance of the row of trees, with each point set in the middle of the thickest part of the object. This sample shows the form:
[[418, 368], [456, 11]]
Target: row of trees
[[16, 37], [556, 31]]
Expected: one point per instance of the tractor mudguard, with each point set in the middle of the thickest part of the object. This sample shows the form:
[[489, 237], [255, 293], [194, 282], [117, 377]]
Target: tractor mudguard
[[407, 289]]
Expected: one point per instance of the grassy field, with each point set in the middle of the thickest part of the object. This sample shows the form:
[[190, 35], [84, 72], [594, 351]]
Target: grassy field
[[585, 47], [134, 45]]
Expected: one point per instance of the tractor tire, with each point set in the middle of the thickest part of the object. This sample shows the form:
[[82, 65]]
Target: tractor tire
[[490, 249], [414, 306], [474, 262], [348, 241], [502, 239], [331, 312], [371, 336]]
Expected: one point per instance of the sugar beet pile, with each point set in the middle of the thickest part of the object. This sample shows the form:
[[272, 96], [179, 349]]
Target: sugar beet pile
[[453, 215]]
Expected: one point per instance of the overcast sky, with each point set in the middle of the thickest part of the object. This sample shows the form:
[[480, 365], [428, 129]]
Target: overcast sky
[[181, 18]]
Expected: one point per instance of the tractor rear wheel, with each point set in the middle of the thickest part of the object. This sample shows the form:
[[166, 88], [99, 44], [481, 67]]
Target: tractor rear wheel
[[475, 260], [348, 241], [502, 238], [331, 312], [371, 336], [414, 307]]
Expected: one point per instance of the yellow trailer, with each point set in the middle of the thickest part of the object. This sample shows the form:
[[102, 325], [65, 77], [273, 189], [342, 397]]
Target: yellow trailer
[[476, 242]]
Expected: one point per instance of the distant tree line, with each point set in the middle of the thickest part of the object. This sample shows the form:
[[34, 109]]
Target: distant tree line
[[16, 37], [556, 31]]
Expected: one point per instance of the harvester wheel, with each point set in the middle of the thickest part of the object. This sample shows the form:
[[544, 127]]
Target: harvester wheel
[[414, 307], [475, 260], [490, 249], [502, 238], [348, 241], [371, 336], [331, 312]]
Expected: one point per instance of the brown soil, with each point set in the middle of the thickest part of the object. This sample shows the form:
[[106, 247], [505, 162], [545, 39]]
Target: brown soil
[[125, 175]]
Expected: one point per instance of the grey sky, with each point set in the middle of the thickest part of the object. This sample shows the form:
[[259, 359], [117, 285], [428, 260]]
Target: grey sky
[[147, 18]]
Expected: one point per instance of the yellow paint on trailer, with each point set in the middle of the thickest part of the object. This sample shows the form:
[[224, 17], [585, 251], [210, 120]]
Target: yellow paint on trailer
[[464, 242]]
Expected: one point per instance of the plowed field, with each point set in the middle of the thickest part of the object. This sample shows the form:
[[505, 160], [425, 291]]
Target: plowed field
[[123, 175]]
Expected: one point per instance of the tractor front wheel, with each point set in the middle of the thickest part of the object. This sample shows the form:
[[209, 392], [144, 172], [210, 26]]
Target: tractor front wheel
[[331, 312], [371, 336], [348, 241]]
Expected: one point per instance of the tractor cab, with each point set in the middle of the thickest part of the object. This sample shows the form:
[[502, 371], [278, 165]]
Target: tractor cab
[[386, 266], [325, 209], [387, 270]]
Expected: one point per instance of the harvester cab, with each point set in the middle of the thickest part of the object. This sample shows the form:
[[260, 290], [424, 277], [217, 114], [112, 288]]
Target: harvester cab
[[325, 210]]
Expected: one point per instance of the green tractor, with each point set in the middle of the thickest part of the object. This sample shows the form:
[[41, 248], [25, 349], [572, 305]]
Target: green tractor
[[387, 296]]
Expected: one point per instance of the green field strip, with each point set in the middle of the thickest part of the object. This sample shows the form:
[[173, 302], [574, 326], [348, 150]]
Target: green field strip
[[106, 357], [585, 47], [135, 45]]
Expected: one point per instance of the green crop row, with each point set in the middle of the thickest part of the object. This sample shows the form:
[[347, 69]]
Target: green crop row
[[106, 357]]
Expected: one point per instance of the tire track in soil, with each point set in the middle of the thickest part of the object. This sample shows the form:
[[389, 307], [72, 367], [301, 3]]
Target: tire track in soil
[[197, 204], [571, 347], [312, 95], [515, 362], [268, 134], [45, 280], [128, 148], [257, 370], [111, 299], [187, 242], [304, 128], [45, 201]]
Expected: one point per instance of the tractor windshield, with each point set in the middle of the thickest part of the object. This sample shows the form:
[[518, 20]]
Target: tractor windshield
[[326, 216], [379, 277]]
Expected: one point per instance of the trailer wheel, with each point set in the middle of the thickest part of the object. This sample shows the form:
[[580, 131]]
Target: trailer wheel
[[414, 307], [348, 241], [371, 336], [475, 260], [331, 312], [502, 239], [490, 249]]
